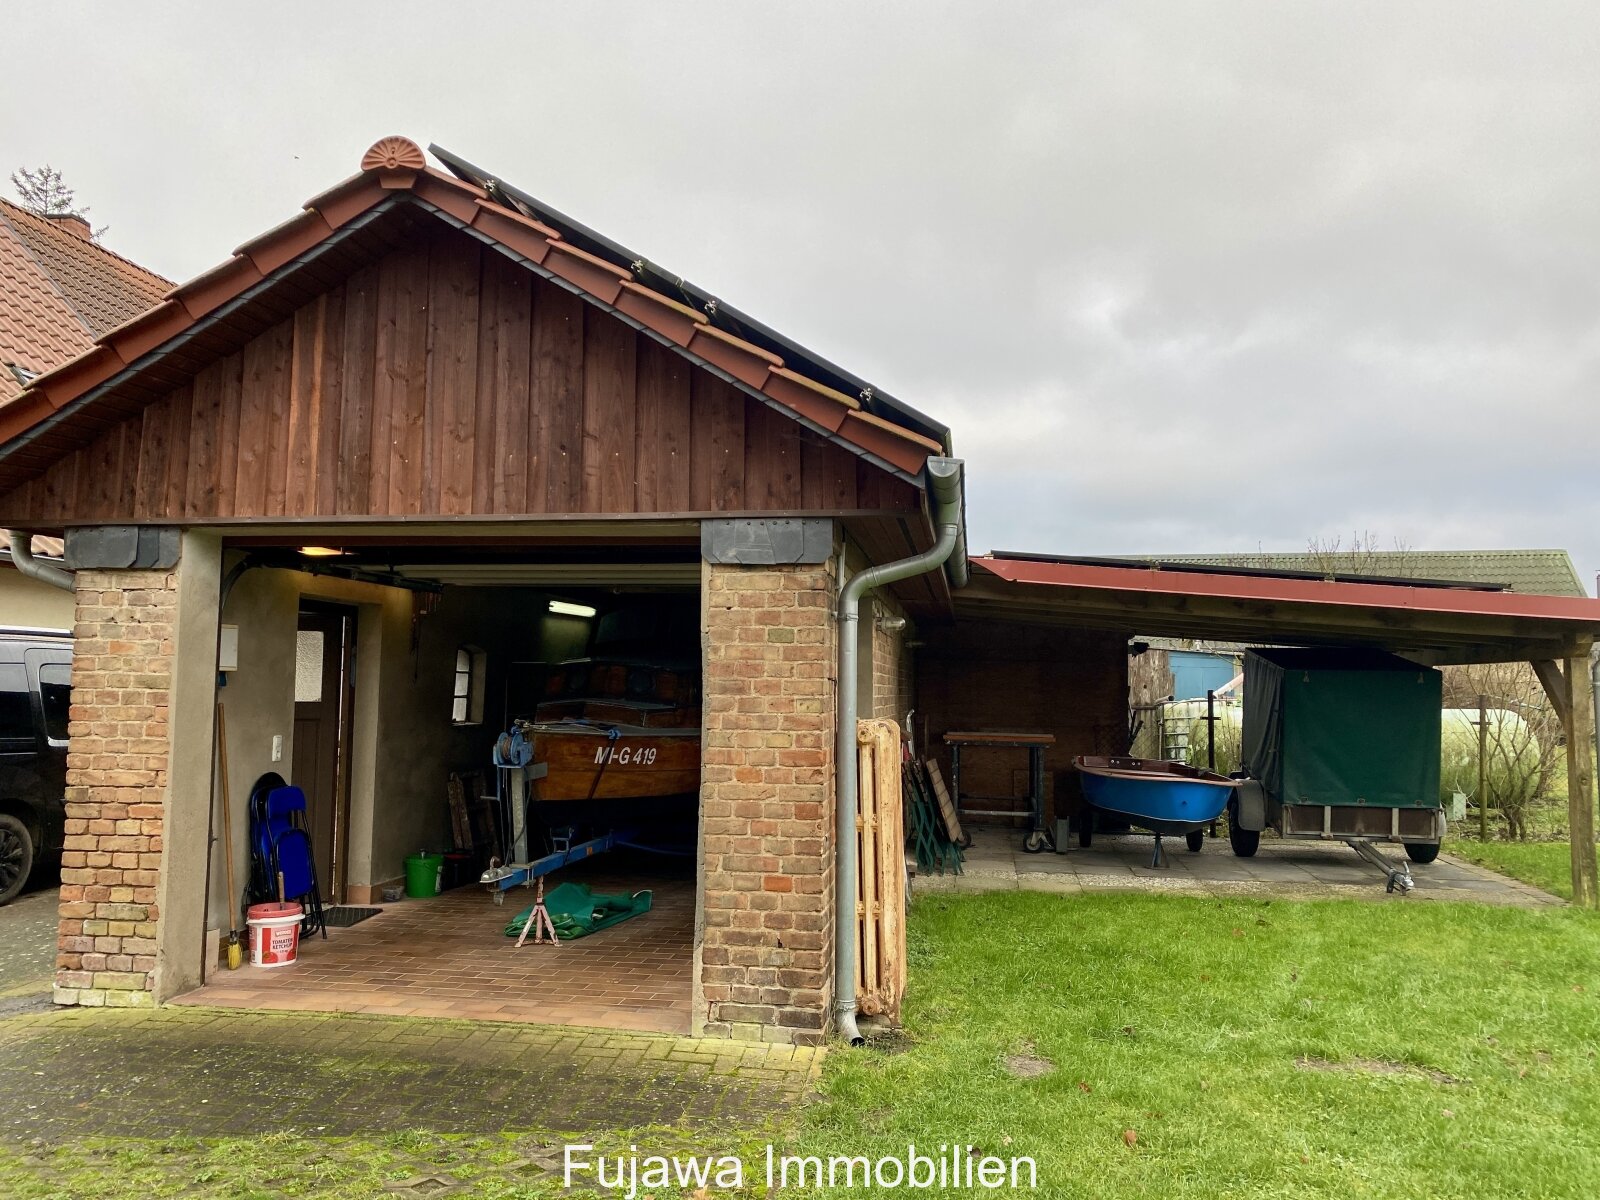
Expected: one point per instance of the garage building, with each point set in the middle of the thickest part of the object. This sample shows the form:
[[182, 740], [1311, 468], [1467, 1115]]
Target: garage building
[[367, 487]]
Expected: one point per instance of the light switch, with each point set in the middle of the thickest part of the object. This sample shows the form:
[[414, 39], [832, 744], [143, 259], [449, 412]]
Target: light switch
[[228, 649], [277, 747]]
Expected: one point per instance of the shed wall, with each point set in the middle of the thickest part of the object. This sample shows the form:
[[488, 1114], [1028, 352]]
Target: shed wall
[[445, 379], [981, 675]]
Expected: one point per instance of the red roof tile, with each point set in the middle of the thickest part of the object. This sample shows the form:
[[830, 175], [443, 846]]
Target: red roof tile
[[59, 292]]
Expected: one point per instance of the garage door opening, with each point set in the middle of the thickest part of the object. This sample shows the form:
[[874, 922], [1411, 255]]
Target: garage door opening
[[509, 720]]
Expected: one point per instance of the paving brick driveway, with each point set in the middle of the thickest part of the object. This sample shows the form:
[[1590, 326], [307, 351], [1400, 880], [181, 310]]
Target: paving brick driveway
[[185, 1072], [28, 943]]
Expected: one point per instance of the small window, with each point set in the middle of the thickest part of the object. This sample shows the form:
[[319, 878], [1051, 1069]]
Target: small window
[[55, 694], [308, 648], [466, 702], [16, 709]]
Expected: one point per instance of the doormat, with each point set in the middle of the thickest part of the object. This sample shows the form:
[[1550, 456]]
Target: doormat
[[343, 916]]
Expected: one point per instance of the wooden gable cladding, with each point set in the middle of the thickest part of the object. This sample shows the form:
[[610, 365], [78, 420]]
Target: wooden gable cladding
[[445, 379]]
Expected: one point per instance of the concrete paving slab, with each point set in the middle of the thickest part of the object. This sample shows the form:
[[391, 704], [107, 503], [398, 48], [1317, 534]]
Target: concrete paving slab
[[1289, 869]]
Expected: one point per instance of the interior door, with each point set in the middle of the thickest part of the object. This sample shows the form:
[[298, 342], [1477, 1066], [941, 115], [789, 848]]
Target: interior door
[[324, 694]]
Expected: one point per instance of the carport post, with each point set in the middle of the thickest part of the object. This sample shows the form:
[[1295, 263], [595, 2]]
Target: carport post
[[1580, 779]]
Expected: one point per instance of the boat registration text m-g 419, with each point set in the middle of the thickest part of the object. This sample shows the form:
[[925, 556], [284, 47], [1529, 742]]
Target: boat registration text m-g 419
[[622, 756]]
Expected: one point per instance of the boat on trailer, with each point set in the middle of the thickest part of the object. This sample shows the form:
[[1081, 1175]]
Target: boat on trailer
[[1163, 797], [614, 731]]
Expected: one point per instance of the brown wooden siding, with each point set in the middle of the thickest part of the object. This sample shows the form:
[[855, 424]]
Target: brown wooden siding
[[993, 675], [444, 379]]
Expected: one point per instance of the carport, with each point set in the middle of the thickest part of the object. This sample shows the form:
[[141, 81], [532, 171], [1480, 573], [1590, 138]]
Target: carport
[[1044, 602]]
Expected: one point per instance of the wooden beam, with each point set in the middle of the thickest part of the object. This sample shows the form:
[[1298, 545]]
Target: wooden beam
[[1557, 686], [1178, 615], [1580, 782], [1487, 652], [1433, 647]]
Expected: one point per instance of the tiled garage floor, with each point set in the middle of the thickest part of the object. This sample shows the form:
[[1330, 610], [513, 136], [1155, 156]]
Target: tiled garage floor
[[449, 957]]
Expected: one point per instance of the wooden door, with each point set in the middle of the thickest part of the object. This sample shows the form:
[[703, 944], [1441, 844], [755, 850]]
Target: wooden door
[[324, 694]]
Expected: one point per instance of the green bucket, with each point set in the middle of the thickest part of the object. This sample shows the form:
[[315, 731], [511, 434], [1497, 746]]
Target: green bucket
[[424, 874]]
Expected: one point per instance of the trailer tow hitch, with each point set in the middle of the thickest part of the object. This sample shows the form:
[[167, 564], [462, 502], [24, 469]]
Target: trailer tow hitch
[[1399, 876]]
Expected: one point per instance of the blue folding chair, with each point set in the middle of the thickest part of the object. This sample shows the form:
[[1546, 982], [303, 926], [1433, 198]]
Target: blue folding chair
[[280, 848]]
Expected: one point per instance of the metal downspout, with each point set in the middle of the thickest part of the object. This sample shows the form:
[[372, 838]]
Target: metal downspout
[[945, 485], [21, 545]]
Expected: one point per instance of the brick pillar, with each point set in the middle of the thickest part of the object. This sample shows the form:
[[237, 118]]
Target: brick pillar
[[764, 956], [116, 783]]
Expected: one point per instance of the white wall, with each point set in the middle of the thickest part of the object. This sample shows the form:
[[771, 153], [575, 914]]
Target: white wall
[[25, 601], [403, 743]]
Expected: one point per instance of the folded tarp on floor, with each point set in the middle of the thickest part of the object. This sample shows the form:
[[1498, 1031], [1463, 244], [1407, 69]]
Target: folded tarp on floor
[[576, 912]]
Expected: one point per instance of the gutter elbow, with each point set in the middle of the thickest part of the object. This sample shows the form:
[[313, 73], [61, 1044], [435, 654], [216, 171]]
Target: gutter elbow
[[21, 546]]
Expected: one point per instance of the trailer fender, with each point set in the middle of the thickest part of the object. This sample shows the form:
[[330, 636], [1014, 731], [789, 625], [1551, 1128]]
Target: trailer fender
[[1250, 805]]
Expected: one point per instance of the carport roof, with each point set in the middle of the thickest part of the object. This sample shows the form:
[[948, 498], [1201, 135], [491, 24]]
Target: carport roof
[[1437, 623]]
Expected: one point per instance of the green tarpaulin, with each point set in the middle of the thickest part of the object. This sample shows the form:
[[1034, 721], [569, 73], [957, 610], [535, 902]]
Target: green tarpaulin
[[1342, 727], [575, 911]]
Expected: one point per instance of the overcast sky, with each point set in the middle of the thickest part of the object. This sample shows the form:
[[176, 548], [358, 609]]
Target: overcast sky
[[1181, 277]]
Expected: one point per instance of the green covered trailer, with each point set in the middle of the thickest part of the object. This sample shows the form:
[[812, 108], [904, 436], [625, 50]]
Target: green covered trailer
[[1342, 744]]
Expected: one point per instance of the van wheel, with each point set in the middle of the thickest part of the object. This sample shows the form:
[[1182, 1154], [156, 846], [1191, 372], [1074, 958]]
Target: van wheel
[[1245, 842], [1422, 852], [16, 856]]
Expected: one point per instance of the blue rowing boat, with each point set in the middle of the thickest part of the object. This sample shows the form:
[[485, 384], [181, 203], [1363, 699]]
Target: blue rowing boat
[[1163, 797]]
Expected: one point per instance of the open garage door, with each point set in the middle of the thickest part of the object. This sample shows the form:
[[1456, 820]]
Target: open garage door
[[518, 716]]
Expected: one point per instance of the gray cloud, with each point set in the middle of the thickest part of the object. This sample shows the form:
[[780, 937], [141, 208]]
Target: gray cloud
[[1181, 277]]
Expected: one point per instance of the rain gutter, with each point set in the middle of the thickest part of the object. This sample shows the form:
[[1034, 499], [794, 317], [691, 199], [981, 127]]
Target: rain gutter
[[22, 558], [946, 488]]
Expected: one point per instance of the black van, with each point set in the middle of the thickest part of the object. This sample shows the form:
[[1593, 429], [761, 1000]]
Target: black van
[[35, 695]]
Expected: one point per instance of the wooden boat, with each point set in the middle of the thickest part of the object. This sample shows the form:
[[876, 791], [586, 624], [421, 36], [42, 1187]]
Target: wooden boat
[[614, 731], [1163, 797]]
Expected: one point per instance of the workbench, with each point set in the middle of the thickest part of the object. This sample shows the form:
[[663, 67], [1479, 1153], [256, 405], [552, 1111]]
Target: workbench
[[1037, 836]]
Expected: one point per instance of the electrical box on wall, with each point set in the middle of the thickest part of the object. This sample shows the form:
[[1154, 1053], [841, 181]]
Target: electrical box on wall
[[228, 649]]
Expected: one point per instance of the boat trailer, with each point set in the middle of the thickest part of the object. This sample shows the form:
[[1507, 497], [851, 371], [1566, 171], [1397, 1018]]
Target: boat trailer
[[564, 852], [1399, 875]]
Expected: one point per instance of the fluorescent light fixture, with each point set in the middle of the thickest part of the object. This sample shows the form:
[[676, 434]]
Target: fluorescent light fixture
[[571, 610], [320, 552]]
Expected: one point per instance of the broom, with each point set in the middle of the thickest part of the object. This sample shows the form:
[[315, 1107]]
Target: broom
[[235, 951]]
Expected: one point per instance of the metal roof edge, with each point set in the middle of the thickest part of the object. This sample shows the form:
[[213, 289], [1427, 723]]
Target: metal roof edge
[[1154, 564]]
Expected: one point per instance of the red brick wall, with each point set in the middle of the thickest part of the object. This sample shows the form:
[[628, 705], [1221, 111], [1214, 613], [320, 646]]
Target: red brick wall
[[891, 663], [116, 787], [765, 955]]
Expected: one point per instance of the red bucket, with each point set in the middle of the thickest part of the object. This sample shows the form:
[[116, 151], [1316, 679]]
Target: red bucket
[[274, 934]]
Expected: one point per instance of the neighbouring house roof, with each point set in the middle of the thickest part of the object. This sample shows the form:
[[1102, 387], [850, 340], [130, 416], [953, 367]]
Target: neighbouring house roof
[[59, 292], [124, 367], [1533, 572]]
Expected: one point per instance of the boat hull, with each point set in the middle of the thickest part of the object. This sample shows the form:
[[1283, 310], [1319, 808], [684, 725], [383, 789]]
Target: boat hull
[[1161, 797], [600, 764]]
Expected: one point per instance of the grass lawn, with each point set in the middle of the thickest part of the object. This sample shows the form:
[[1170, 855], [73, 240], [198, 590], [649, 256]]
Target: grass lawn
[[1251, 1049], [1186, 1021], [1546, 865]]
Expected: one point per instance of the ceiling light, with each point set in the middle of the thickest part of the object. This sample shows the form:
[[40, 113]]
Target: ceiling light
[[320, 552], [571, 610]]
